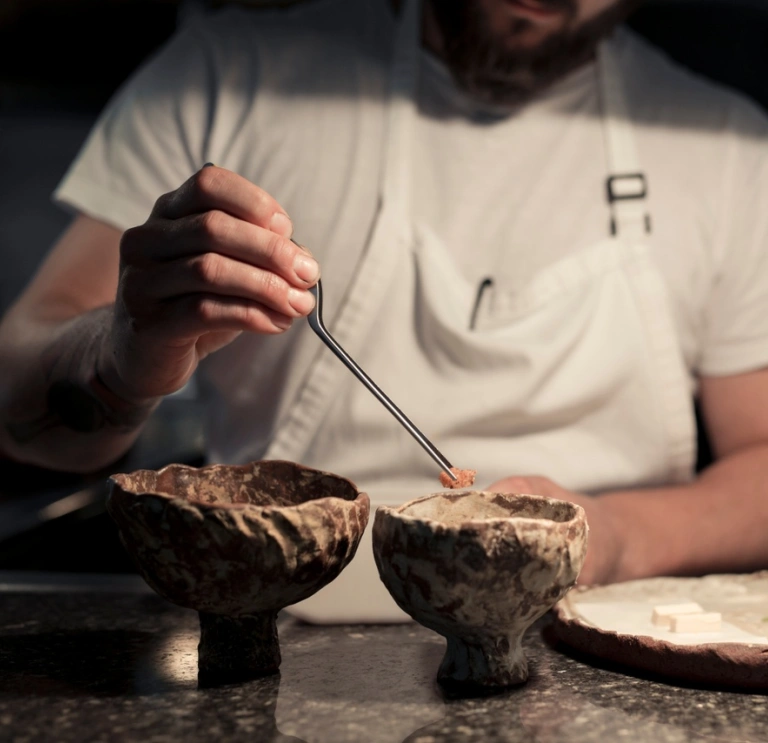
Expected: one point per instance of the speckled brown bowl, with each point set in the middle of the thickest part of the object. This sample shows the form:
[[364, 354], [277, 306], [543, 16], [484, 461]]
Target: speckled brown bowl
[[238, 543], [479, 569]]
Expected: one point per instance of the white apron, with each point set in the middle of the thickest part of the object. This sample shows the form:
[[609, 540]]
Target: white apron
[[578, 376]]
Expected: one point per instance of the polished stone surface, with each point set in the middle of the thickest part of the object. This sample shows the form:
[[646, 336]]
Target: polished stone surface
[[104, 659]]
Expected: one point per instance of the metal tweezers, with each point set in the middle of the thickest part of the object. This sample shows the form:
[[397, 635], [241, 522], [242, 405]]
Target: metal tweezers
[[315, 319]]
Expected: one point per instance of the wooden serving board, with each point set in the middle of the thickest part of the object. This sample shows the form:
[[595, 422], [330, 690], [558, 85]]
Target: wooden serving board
[[614, 623]]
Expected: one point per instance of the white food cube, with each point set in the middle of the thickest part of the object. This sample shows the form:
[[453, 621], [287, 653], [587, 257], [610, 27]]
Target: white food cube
[[661, 614], [706, 622]]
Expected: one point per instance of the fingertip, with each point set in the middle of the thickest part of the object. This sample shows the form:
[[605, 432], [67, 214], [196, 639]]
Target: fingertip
[[281, 322], [301, 247], [281, 224]]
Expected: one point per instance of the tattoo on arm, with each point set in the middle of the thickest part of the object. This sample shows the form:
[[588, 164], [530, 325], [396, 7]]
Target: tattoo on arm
[[76, 396]]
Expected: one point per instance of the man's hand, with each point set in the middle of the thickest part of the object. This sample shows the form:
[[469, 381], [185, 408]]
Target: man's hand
[[604, 545], [213, 259], [112, 321]]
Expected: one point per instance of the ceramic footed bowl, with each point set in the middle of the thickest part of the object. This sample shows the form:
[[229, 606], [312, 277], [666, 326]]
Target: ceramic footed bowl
[[479, 568], [237, 543]]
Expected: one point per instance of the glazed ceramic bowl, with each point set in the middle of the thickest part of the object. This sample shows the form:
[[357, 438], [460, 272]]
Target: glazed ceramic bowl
[[479, 568], [237, 543]]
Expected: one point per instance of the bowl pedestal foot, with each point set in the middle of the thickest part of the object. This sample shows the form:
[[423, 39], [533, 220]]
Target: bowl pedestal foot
[[488, 664], [237, 648]]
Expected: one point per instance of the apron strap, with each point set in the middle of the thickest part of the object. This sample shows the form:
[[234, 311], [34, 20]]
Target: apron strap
[[390, 237], [626, 186], [403, 80]]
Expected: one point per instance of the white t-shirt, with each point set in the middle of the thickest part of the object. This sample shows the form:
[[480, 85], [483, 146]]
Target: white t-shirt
[[295, 100]]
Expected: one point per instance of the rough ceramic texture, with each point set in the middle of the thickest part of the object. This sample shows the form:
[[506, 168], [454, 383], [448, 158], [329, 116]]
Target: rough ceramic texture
[[238, 543], [479, 569]]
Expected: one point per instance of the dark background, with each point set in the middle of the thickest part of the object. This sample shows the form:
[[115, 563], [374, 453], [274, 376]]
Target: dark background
[[60, 61]]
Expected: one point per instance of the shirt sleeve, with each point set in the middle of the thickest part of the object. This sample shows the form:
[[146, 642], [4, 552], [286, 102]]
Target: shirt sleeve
[[736, 315], [150, 138]]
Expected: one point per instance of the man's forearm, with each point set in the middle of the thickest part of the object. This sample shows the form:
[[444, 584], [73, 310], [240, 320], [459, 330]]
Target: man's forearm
[[718, 523], [58, 406]]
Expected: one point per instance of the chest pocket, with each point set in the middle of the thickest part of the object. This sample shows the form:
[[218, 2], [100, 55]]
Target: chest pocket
[[588, 346]]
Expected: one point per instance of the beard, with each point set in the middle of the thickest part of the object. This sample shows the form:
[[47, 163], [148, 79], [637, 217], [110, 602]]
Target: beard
[[486, 63]]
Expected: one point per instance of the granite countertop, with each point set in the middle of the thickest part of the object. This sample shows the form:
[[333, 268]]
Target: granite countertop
[[101, 658]]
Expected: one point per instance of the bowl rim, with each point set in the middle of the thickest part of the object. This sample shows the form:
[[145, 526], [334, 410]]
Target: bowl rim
[[114, 483], [396, 512]]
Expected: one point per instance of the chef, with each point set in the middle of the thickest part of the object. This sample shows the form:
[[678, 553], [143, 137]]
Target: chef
[[540, 236]]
